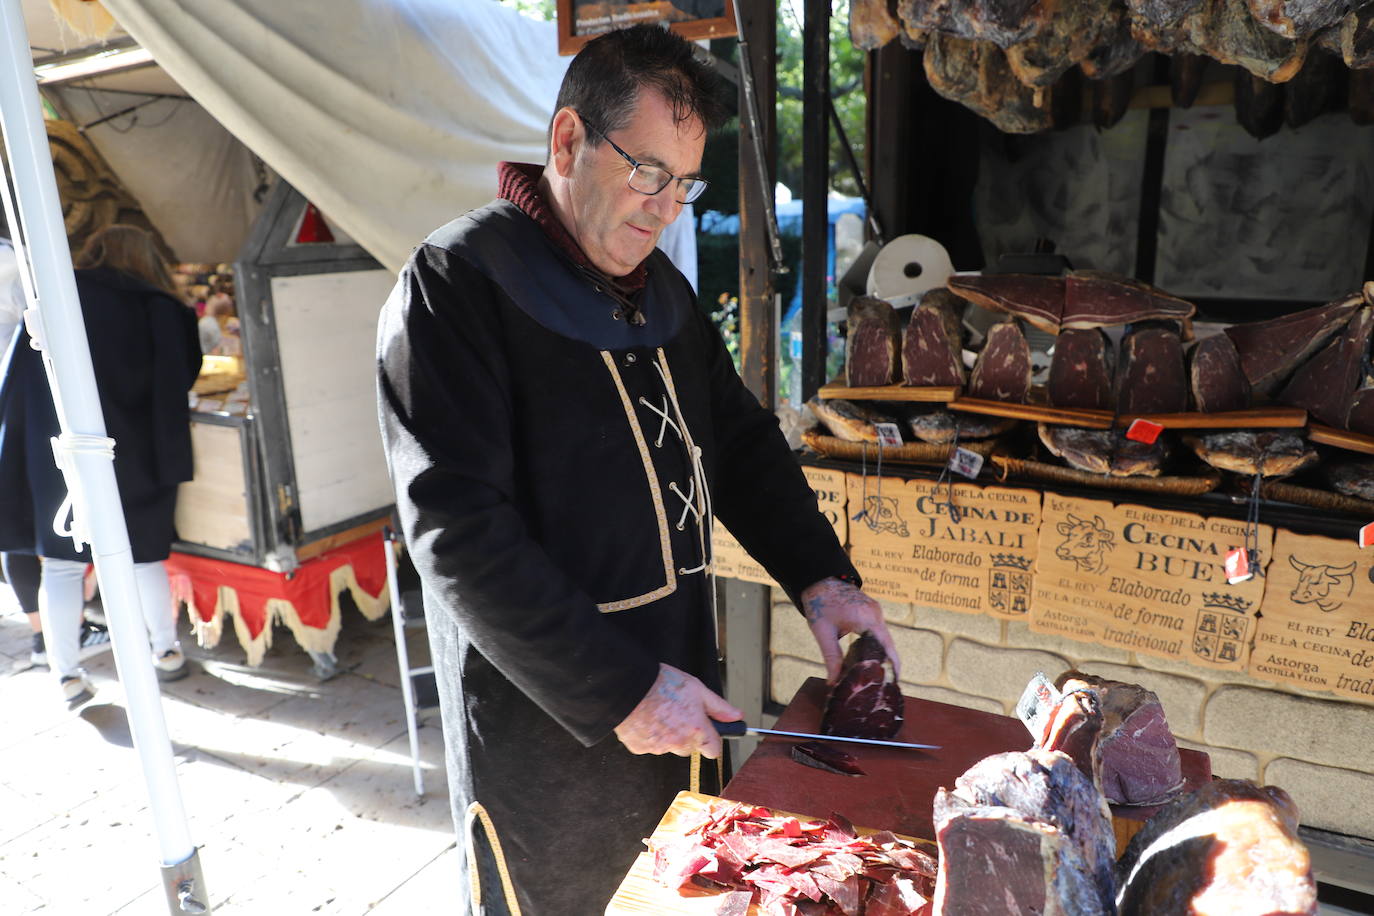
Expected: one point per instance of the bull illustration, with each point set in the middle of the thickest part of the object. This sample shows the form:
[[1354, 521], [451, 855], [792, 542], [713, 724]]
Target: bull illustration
[[1322, 584], [880, 514], [1085, 543]]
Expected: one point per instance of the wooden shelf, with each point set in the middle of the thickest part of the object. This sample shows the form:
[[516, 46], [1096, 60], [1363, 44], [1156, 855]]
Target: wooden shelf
[[939, 395], [1328, 435]]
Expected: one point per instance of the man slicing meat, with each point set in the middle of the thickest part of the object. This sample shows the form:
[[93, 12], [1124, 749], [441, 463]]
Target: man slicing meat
[[561, 424]]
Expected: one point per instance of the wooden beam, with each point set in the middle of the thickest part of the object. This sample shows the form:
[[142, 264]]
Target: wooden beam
[[758, 319], [815, 191]]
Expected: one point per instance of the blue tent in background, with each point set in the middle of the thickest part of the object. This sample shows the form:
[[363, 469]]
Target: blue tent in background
[[790, 223]]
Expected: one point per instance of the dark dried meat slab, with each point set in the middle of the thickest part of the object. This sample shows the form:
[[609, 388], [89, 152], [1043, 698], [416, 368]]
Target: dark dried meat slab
[[940, 427], [976, 75], [1230, 841], [1353, 38], [1315, 90], [1352, 478], [1081, 370], [1098, 299], [1226, 31], [1037, 299], [1003, 22], [866, 701], [1116, 50], [1360, 417], [1074, 727], [847, 420], [1069, 37], [1271, 350], [1269, 453], [1158, 13], [1215, 375], [1150, 378], [871, 24], [1259, 105], [1185, 78], [932, 353], [1104, 451], [1325, 384], [821, 756], [1299, 18], [1112, 99], [873, 348], [1359, 103], [1003, 370]]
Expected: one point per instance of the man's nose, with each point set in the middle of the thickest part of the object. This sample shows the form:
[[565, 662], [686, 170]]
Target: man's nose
[[664, 204]]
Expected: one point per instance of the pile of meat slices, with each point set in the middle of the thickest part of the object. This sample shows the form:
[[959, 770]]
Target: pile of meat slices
[[791, 867]]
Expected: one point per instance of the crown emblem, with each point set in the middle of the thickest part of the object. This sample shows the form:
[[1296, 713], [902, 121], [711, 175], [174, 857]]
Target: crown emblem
[[1011, 560], [1220, 602]]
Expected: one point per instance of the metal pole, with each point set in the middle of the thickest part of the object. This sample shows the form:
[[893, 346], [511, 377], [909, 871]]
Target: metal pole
[[815, 188], [85, 454]]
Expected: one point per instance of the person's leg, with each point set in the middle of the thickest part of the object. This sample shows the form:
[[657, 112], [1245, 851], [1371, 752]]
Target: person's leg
[[59, 602], [22, 572], [155, 594]]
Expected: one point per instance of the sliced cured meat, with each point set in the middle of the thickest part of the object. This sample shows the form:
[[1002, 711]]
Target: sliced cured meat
[[932, 353], [939, 427], [1229, 847], [847, 420], [1003, 369], [1098, 299], [1003, 22], [976, 75], [1081, 370], [873, 348], [865, 702], [1314, 90], [1150, 378], [1360, 417], [1299, 18], [1116, 50], [1140, 763], [1259, 105], [871, 25], [1325, 384], [1269, 453], [822, 756], [1185, 78], [1037, 299], [1104, 451], [1271, 350], [1215, 375], [1069, 36]]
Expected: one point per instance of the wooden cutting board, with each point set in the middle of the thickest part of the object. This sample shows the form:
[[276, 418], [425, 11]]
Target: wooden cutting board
[[641, 895]]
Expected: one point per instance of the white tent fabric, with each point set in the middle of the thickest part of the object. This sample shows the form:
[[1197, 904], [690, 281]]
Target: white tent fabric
[[390, 115]]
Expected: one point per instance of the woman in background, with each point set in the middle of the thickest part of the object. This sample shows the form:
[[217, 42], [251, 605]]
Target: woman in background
[[146, 356]]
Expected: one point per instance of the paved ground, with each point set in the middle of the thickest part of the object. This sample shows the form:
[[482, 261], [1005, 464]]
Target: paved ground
[[298, 792]]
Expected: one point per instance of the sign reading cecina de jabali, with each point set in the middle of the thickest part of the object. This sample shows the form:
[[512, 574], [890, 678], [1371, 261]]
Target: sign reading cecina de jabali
[[1145, 579]]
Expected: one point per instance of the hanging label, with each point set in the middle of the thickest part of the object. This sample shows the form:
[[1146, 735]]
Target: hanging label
[[889, 434], [1237, 566], [1366, 535], [1038, 701], [1144, 431], [966, 463]]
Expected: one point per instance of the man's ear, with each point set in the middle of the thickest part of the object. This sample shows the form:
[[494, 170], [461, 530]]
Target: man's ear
[[565, 138]]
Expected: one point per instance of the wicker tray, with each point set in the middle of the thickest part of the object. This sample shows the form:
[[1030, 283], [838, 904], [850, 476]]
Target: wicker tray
[[1317, 499], [908, 453], [1035, 470]]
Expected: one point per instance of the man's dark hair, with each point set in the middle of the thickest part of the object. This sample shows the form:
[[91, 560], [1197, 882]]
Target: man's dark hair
[[603, 81]]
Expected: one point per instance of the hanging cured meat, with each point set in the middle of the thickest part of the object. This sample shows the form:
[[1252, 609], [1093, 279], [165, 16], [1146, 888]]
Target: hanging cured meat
[[1360, 96], [1116, 49], [1271, 350], [1003, 370], [866, 701], [1223, 30], [871, 25], [1037, 299], [1259, 105], [1185, 78], [1002, 22], [1104, 451], [1229, 847], [1215, 376], [1150, 378], [976, 75], [873, 350], [1353, 38], [1326, 383], [1081, 370], [1112, 99], [1139, 759], [1070, 36], [1314, 90], [1299, 18], [932, 353], [1267, 453]]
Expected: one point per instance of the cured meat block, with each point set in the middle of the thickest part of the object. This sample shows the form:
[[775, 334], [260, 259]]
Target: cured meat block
[[1314, 90], [1360, 417], [1215, 375], [1112, 99], [932, 353], [873, 350], [1360, 96], [1037, 299], [1325, 384], [1259, 105], [821, 756], [847, 420], [871, 25], [1140, 763], [1150, 378], [1003, 22], [1081, 370], [1185, 78], [939, 427], [1269, 453], [1230, 847], [1098, 299], [1003, 370], [865, 702], [976, 75], [1299, 18], [1271, 350], [1104, 451]]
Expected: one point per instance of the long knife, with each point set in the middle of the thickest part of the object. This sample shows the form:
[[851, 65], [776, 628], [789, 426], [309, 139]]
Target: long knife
[[739, 730]]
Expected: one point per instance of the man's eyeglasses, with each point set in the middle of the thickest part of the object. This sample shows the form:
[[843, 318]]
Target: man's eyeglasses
[[650, 179]]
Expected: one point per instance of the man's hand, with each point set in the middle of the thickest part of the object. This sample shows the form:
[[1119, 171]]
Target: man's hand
[[833, 608], [675, 717]]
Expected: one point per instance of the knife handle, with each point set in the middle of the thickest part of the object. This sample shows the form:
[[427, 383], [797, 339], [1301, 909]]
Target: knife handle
[[735, 729]]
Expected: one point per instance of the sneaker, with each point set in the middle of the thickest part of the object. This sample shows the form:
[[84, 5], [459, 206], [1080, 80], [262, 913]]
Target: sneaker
[[95, 612], [38, 655], [171, 665], [77, 689], [95, 639]]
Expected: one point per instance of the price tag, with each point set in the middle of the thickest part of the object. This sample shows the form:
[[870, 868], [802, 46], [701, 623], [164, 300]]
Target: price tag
[[1366, 535], [889, 434], [1144, 431], [1237, 566], [966, 463], [1038, 701]]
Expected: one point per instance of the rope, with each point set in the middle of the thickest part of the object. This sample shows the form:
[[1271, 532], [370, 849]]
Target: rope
[[477, 812]]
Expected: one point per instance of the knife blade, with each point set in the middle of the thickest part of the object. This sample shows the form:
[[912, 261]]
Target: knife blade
[[739, 730]]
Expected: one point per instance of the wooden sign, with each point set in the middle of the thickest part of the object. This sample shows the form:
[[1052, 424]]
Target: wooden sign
[[1147, 580], [579, 21], [909, 545], [732, 561], [1316, 629]]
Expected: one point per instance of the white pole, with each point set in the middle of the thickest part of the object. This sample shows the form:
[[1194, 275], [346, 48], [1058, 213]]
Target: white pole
[[55, 322]]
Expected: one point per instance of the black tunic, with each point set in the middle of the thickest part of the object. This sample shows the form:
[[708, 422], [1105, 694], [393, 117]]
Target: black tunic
[[542, 452]]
